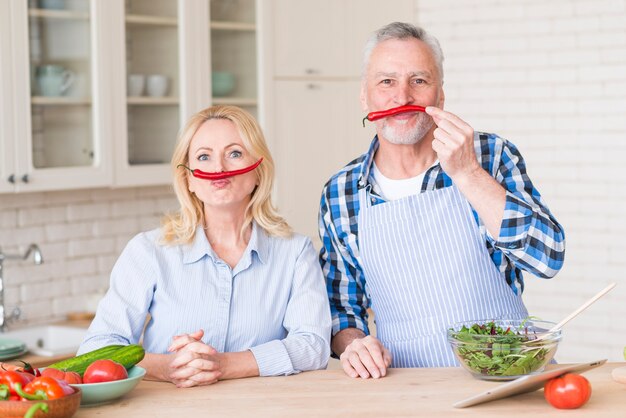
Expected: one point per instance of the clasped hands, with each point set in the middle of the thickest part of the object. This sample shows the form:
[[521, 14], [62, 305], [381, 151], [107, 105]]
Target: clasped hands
[[193, 363]]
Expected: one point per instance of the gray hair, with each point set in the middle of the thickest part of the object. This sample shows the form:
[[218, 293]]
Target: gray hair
[[401, 30]]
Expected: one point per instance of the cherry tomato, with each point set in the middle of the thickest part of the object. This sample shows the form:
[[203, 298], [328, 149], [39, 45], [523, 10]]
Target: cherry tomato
[[569, 391], [68, 376], [104, 371]]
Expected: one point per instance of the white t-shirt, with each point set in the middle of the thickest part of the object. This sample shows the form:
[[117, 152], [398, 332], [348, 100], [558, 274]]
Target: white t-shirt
[[397, 189]]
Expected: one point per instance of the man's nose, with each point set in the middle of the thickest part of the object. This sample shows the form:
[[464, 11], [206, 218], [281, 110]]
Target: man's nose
[[404, 94]]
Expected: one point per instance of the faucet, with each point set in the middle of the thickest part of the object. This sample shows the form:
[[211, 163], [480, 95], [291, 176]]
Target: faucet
[[37, 258]]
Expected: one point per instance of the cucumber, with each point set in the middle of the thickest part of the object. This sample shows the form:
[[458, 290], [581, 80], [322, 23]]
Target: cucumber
[[126, 355]]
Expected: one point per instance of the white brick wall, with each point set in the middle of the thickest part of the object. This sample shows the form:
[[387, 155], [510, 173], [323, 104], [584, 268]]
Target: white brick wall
[[551, 77], [81, 234]]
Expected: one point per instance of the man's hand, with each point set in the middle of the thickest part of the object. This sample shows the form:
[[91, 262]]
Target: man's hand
[[194, 363], [364, 357], [454, 144]]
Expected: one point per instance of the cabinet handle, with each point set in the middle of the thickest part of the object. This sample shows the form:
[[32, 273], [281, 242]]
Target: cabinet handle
[[311, 71], [25, 178], [11, 179], [312, 86]]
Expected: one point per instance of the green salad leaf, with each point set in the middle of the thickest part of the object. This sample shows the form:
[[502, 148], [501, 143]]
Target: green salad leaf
[[492, 350]]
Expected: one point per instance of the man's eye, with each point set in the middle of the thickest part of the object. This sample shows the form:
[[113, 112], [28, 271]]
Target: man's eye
[[419, 81], [385, 81], [235, 154]]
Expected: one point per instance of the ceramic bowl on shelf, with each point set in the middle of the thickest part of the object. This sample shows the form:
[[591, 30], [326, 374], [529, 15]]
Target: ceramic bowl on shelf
[[223, 83], [503, 349], [64, 407], [105, 392]]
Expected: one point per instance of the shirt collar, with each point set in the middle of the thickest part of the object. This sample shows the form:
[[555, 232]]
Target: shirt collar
[[366, 165], [200, 246]]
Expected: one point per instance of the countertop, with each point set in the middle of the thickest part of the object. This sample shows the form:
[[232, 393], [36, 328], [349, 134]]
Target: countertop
[[330, 393]]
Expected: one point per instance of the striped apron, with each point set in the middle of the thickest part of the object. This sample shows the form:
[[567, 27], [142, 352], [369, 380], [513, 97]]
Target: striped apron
[[427, 267]]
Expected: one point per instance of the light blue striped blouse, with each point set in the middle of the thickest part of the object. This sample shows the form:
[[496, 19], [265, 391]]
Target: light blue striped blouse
[[273, 302]]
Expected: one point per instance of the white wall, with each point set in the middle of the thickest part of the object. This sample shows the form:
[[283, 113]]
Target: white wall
[[551, 77]]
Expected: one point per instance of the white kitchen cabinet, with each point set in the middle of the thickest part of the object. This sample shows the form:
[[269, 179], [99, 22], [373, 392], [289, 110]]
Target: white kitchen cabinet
[[55, 132], [136, 69], [316, 127], [318, 131], [325, 38]]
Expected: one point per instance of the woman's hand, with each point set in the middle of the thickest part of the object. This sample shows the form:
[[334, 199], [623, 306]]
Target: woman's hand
[[193, 363]]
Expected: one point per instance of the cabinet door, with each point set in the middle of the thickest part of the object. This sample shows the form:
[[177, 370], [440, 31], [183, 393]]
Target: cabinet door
[[317, 132], [61, 113], [7, 151], [309, 38], [148, 86], [365, 17], [233, 39]]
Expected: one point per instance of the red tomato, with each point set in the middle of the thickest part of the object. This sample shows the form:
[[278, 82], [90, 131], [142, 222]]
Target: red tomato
[[569, 391], [68, 376], [104, 371]]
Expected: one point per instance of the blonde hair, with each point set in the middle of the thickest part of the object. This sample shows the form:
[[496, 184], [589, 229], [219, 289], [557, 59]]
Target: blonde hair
[[180, 227]]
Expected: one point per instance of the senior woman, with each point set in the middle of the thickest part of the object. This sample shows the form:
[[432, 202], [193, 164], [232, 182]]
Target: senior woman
[[230, 291]]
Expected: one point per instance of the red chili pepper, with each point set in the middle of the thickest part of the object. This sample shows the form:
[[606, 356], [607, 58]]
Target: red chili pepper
[[220, 175], [29, 369], [372, 116]]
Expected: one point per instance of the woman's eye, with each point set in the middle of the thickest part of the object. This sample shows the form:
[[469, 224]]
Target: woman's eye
[[236, 154], [203, 157]]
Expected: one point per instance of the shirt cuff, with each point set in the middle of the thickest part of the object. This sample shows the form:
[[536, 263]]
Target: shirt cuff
[[272, 359], [516, 222]]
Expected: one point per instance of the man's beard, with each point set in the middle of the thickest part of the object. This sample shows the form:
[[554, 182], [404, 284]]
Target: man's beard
[[424, 124]]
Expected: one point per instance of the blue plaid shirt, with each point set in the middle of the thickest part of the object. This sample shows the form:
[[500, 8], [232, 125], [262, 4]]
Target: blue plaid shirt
[[530, 237]]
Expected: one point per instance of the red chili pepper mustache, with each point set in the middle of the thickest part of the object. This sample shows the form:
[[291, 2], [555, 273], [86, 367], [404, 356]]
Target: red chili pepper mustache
[[222, 174], [372, 116]]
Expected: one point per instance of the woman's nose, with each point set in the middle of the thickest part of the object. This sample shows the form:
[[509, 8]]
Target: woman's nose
[[218, 165]]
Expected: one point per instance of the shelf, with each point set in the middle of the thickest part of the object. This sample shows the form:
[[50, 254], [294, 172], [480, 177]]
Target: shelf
[[236, 26], [151, 20], [58, 14], [157, 101], [66, 101], [235, 101]]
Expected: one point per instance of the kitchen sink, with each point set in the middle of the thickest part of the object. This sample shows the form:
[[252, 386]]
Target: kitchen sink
[[48, 340]]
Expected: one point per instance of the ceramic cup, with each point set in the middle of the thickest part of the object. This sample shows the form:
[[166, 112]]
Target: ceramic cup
[[53, 80], [136, 85], [157, 85]]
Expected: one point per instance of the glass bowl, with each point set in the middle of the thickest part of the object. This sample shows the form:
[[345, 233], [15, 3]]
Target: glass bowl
[[503, 349], [105, 392]]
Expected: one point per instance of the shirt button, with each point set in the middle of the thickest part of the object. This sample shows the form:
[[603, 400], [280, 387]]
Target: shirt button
[[373, 200]]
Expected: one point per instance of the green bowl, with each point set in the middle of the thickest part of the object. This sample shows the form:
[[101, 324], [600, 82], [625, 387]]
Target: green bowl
[[101, 393]]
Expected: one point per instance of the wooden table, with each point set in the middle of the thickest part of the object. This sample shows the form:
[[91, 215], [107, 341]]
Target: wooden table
[[329, 393]]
